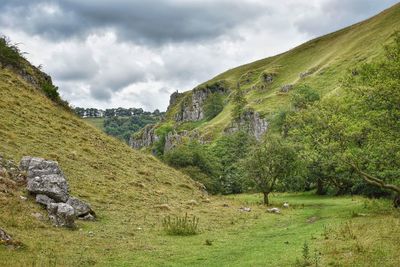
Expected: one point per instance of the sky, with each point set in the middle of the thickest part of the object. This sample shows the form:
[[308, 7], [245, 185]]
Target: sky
[[130, 53]]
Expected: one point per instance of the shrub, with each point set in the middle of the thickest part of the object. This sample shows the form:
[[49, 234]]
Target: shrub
[[213, 106], [51, 91], [162, 133], [181, 225], [303, 96], [9, 53]]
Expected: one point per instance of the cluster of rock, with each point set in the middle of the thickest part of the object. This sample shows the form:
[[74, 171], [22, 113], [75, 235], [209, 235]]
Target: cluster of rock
[[175, 138], [192, 107], [250, 122], [146, 138], [286, 88], [10, 170], [268, 77], [47, 182]]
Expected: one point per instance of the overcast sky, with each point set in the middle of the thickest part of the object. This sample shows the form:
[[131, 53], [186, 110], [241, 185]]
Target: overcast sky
[[132, 53]]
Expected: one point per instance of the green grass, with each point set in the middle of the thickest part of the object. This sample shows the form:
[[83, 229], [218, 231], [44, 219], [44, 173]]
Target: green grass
[[346, 231], [96, 122]]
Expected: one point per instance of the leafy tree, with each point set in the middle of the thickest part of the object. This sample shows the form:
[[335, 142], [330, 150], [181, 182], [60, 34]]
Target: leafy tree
[[270, 163], [358, 132], [213, 106], [229, 150]]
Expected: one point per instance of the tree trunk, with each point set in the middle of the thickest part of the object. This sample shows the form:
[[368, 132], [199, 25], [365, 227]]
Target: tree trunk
[[266, 200], [320, 187], [396, 201]]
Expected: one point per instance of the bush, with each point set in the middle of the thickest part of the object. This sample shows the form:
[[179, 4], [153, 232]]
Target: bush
[[181, 225], [162, 133], [213, 106], [9, 53], [51, 91], [303, 96]]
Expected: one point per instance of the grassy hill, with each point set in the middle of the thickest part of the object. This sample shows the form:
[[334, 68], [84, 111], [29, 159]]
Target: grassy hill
[[323, 60], [132, 192], [125, 187]]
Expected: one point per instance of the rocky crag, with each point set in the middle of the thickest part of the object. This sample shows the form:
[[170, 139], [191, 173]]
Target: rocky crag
[[45, 181]]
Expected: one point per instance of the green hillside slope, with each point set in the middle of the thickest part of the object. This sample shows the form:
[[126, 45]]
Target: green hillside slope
[[322, 61], [130, 192]]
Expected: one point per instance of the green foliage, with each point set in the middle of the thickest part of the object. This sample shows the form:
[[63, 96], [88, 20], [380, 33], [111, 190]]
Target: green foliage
[[10, 55], [124, 127], [193, 154], [356, 134], [162, 133], [51, 91], [239, 103], [270, 163], [304, 96], [230, 150], [181, 226], [306, 253], [213, 105]]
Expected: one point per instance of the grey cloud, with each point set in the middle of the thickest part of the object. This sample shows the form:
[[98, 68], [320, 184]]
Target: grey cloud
[[154, 22], [73, 65], [336, 14], [102, 94]]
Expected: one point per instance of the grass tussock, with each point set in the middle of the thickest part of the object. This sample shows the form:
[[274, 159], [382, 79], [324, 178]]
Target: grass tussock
[[181, 225]]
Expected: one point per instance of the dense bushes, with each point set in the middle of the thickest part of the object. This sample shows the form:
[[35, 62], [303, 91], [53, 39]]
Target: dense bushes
[[124, 127]]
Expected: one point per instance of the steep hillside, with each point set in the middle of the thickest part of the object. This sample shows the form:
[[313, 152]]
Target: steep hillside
[[269, 83], [131, 192]]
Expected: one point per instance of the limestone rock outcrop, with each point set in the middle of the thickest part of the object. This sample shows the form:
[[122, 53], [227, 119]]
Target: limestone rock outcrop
[[47, 182], [146, 138], [61, 214], [192, 107], [250, 122]]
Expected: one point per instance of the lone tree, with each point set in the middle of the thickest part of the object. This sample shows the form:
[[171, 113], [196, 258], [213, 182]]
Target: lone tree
[[270, 163]]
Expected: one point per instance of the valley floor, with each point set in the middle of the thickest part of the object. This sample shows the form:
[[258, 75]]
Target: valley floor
[[338, 231]]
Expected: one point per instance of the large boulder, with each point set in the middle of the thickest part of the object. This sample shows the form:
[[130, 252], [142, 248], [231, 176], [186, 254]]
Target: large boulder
[[4, 237], [46, 178], [81, 208], [52, 185], [44, 200], [40, 167], [61, 214]]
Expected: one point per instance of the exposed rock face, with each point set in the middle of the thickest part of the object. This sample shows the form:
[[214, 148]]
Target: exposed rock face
[[44, 200], [4, 237], [286, 88], [9, 169], [61, 214], [192, 108], [81, 208], [52, 185], [47, 181], [45, 178], [250, 122], [173, 98], [147, 139], [268, 77], [174, 138]]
